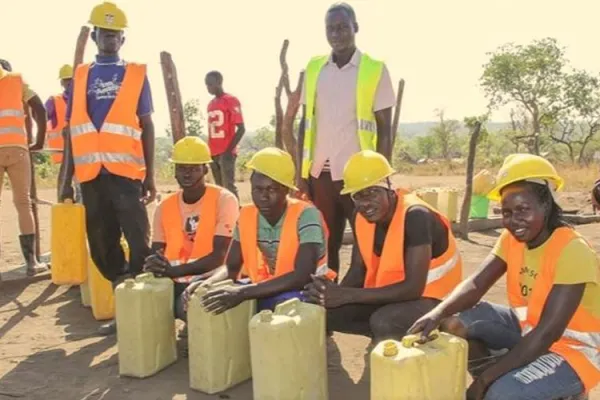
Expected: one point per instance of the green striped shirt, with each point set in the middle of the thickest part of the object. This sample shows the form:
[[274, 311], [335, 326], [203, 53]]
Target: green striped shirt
[[310, 230]]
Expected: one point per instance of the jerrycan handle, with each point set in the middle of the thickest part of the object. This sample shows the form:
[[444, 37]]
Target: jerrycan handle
[[68, 201], [410, 340], [288, 307], [145, 277]]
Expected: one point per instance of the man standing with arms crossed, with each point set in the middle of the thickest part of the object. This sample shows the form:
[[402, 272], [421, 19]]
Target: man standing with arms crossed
[[110, 147], [14, 153], [225, 130], [347, 107]]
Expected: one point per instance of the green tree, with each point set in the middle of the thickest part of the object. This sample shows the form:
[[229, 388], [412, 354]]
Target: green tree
[[445, 134], [531, 76], [426, 146], [194, 119]]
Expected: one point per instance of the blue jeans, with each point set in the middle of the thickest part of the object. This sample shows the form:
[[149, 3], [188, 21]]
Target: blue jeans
[[548, 377]]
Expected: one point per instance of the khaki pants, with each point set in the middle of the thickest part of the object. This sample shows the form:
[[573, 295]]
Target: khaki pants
[[17, 165]]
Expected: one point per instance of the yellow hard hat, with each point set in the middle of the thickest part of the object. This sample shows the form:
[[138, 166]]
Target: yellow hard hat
[[365, 168], [108, 16], [276, 164], [519, 167], [66, 72], [191, 150]]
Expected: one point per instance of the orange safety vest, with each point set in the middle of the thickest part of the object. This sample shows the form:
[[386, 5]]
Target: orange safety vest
[[172, 224], [580, 342], [54, 134], [12, 114], [255, 264], [118, 145], [445, 271]]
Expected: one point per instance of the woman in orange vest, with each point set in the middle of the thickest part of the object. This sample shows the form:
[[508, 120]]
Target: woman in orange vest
[[404, 261], [545, 344], [278, 240], [192, 227]]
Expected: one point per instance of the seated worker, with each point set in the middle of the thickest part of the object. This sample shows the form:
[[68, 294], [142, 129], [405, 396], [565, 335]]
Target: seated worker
[[404, 260], [192, 228], [545, 345], [280, 241]]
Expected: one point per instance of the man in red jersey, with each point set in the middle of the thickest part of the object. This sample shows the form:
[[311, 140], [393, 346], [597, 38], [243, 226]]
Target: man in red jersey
[[225, 130]]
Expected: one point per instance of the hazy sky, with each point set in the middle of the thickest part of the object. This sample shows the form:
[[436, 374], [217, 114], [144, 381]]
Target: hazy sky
[[437, 46]]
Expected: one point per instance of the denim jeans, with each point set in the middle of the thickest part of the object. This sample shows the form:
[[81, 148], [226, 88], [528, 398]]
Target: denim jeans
[[547, 377]]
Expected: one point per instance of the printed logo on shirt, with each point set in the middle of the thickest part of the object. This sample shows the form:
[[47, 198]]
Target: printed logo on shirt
[[191, 226], [527, 278], [105, 90]]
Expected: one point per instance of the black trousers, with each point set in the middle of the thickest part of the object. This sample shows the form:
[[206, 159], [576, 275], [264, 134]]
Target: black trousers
[[390, 321], [113, 207], [223, 170], [336, 210]]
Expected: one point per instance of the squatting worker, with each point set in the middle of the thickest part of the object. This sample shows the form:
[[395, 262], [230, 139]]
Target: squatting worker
[[404, 261], [110, 148], [192, 227], [14, 153], [347, 102], [546, 343], [280, 241]]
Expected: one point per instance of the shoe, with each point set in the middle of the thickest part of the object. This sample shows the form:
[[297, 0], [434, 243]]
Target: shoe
[[34, 267], [110, 328]]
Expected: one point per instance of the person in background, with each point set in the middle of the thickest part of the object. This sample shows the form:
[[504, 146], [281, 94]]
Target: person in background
[[347, 101], [109, 146], [225, 130], [280, 241], [546, 343], [15, 161], [404, 262], [192, 227], [56, 108]]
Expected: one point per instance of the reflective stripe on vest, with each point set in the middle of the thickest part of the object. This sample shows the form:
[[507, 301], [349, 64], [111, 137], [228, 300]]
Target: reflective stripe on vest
[[54, 134], [579, 344], [12, 114], [172, 224], [369, 75], [254, 264], [445, 271], [117, 145]]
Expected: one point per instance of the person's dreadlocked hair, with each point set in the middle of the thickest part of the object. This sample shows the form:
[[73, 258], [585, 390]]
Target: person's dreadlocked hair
[[554, 216]]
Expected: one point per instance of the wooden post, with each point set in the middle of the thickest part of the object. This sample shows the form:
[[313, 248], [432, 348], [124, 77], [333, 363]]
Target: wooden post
[[82, 39], [173, 96], [464, 212], [397, 110]]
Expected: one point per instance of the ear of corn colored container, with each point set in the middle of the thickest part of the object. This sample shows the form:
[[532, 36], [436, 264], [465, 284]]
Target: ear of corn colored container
[[219, 345], [145, 325], [289, 355], [68, 244], [435, 370]]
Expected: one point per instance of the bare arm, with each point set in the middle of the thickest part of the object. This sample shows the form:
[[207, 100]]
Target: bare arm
[[39, 115], [560, 306], [240, 129], [355, 277], [384, 132], [304, 265]]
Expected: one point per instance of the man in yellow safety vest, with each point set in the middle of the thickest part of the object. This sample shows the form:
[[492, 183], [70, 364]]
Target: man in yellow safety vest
[[347, 107]]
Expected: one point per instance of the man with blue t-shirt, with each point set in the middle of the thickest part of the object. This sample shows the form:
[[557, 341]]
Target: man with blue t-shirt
[[109, 147]]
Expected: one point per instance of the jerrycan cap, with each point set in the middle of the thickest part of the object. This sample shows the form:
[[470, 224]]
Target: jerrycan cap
[[411, 340], [129, 283], [266, 316], [390, 349], [145, 277]]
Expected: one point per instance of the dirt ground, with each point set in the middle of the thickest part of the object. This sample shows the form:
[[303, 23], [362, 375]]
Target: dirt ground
[[48, 347]]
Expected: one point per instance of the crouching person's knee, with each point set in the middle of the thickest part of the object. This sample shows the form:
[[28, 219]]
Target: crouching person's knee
[[454, 326], [382, 327]]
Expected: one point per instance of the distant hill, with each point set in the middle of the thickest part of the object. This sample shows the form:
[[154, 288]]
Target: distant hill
[[411, 129]]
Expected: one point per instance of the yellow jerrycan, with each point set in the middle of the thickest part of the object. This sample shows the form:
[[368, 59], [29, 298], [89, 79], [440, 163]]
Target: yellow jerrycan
[[68, 244], [448, 203], [145, 325], [219, 345], [102, 298], [289, 352], [407, 370], [84, 290]]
